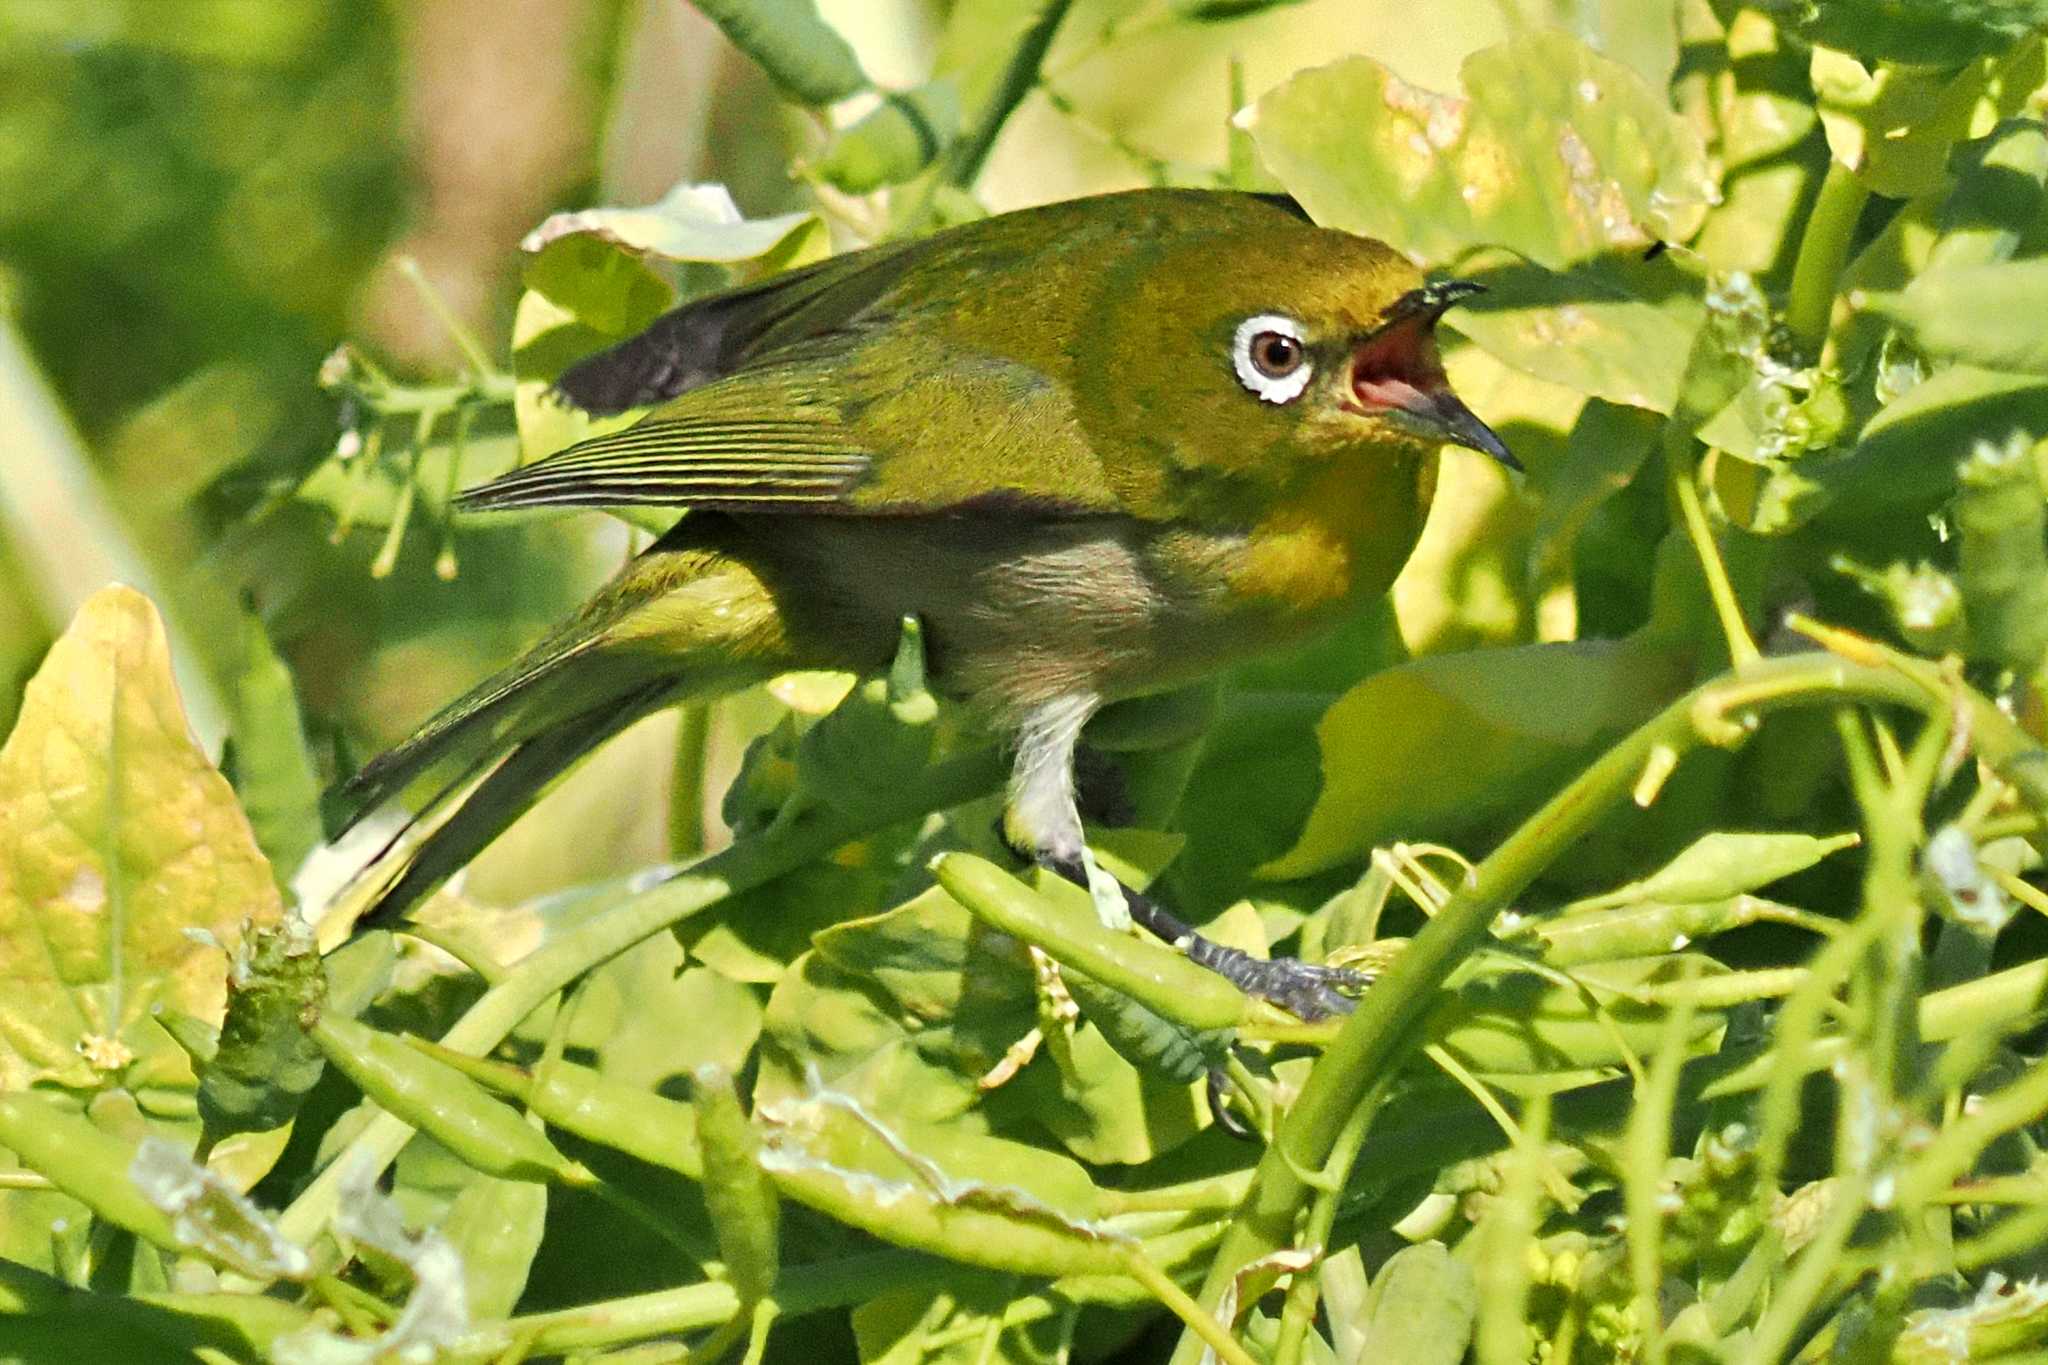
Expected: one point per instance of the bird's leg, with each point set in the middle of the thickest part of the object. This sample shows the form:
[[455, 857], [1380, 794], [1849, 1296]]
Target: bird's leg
[[1043, 821], [1042, 818]]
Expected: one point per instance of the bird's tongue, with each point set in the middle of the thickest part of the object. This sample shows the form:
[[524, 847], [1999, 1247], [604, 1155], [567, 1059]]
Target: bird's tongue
[[1397, 366], [1398, 370]]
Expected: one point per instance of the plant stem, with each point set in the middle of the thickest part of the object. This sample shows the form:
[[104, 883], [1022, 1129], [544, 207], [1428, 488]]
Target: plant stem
[[1681, 468], [70, 538], [1199, 1320], [819, 1286], [1823, 251], [1377, 1036], [964, 162]]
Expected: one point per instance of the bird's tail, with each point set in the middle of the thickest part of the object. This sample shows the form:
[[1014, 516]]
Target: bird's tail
[[682, 620]]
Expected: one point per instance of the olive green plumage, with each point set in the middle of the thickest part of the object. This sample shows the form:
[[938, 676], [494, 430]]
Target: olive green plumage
[[1099, 448]]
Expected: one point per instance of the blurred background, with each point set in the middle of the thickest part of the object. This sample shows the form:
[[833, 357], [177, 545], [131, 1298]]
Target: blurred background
[[201, 199]]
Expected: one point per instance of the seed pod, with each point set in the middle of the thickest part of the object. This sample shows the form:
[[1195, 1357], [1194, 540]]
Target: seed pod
[[1162, 980], [902, 136], [980, 1200], [802, 54], [742, 1202], [590, 1104], [442, 1103], [85, 1161]]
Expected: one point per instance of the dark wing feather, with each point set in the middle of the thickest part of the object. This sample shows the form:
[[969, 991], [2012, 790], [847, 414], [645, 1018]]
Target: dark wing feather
[[710, 337]]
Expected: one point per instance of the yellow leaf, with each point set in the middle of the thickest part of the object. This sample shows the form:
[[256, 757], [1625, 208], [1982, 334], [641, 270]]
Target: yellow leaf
[[126, 868]]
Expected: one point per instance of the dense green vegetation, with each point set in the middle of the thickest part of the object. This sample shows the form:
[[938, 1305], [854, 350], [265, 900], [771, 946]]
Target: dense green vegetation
[[1687, 796]]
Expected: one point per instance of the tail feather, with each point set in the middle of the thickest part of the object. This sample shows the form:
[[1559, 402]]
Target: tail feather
[[462, 738], [465, 818], [682, 619]]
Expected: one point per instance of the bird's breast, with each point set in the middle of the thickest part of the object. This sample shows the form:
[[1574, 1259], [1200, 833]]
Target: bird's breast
[[1337, 542]]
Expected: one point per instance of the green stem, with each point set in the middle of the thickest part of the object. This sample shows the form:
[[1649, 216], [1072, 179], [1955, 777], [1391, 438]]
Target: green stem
[[782, 848], [1299, 1308], [1386, 1024], [1681, 467], [964, 162], [819, 1286], [464, 339], [69, 536], [1200, 1322], [1823, 251]]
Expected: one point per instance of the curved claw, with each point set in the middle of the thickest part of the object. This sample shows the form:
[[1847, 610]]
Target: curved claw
[[1305, 989]]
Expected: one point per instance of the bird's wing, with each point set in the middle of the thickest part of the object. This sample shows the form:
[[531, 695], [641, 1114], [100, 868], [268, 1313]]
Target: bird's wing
[[868, 421], [761, 439], [711, 337]]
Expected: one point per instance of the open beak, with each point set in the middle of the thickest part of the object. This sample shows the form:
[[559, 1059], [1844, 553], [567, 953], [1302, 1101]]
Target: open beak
[[1397, 371], [1445, 414]]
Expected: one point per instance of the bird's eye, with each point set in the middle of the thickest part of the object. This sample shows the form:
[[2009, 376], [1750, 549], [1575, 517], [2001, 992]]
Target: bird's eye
[[1275, 354], [1271, 357]]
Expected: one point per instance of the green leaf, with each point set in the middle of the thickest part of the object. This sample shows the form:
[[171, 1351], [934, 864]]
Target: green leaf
[[1908, 453], [1553, 152], [1641, 36], [274, 774], [127, 872], [1098, 1104], [955, 1324], [1421, 1308], [1896, 125], [827, 1023], [599, 263], [1614, 326], [1985, 315], [1453, 742], [1929, 32], [495, 1226], [903, 135], [1607, 446], [2003, 568]]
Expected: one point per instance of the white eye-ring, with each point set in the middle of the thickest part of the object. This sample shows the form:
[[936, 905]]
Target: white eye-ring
[[1271, 357]]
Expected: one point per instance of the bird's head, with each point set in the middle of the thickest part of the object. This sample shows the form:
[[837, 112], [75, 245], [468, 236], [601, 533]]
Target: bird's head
[[1295, 342]]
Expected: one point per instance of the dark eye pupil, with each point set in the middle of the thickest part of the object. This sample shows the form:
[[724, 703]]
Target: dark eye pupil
[[1275, 353]]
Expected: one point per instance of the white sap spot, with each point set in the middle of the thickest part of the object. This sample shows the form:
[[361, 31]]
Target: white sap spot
[[87, 893], [1589, 92]]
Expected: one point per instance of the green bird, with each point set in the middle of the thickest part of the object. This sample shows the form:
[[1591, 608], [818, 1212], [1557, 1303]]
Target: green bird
[[1098, 449]]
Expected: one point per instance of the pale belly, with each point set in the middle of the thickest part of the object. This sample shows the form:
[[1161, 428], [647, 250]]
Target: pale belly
[[1017, 612]]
